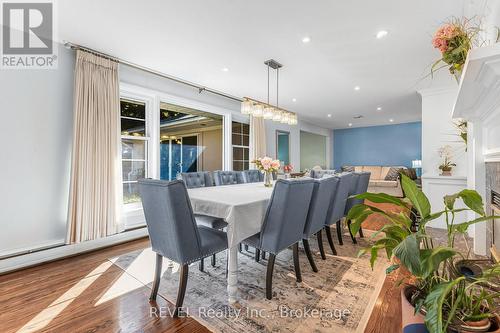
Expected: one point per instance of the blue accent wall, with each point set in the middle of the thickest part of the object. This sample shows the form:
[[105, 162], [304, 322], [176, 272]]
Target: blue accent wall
[[388, 145]]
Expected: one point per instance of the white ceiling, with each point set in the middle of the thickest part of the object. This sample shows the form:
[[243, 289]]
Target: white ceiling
[[195, 40]]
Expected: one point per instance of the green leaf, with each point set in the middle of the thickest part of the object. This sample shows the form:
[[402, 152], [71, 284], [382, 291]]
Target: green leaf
[[473, 200], [462, 227], [391, 269], [434, 305], [449, 200], [408, 253], [380, 198], [432, 261], [416, 196]]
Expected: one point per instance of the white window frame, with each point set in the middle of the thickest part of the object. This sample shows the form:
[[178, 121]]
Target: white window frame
[[132, 214]]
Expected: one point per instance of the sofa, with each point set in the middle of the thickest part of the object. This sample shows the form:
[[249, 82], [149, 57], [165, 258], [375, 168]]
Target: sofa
[[378, 184]]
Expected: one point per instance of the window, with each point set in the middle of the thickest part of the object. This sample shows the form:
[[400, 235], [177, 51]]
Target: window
[[241, 146], [135, 143]]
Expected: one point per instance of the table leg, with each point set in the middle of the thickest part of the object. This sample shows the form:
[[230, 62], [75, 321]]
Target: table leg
[[232, 275]]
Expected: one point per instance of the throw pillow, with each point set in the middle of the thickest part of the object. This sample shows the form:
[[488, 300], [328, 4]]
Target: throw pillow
[[410, 173], [347, 168], [392, 174]]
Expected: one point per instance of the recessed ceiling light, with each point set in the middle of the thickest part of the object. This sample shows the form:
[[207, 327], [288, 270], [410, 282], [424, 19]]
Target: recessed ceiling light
[[379, 108], [391, 120], [294, 100], [381, 34], [357, 88], [225, 69], [329, 115], [350, 124], [306, 39]]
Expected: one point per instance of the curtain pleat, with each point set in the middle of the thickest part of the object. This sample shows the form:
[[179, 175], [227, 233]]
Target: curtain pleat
[[257, 138], [95, 193]]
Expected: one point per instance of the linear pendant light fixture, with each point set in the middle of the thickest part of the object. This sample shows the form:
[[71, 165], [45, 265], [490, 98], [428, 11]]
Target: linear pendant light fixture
[[256, 108]]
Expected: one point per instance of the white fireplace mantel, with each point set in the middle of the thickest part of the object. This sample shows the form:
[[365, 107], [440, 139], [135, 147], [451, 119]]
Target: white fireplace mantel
[[478, 98], [478, 102]]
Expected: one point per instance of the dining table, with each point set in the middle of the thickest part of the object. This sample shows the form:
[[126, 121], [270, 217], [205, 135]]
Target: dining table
[[243, 207]]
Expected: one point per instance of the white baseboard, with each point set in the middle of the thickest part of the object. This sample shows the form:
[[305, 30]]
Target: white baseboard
[[35, 258]]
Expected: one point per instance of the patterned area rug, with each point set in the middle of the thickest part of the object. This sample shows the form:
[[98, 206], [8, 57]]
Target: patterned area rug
[[339, 298]]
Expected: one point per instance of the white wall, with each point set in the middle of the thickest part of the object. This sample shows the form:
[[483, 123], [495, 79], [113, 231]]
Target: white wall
[[36, 131], [37, 123], [439, 130], [271, 128]]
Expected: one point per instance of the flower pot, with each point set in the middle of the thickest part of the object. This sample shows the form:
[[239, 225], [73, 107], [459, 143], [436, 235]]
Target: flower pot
[[467, 268], [475, 326], [446, 173], [410, 321]]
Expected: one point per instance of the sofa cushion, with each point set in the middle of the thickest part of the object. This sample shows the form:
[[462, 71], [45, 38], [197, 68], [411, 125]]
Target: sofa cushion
[[393, 174], [411, 173], [374, 170], [347, 168], [384, 171], [384, 183]]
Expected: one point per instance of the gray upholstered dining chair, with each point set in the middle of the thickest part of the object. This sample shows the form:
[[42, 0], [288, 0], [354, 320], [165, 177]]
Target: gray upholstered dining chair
[[321, 202], [321, 173], [360, 186], [336, 211], [283, 224], [228, 177], [197, 180], [173, 231], [252, 176]]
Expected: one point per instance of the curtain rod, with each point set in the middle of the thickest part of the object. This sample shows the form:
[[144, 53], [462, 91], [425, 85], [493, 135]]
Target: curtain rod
[[200, 88]]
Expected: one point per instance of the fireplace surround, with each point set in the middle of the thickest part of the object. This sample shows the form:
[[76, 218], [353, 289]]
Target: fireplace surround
[[493, 207]]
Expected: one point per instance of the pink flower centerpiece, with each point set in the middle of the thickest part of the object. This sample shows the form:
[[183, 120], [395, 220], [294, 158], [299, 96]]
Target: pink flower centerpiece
[[268, 166]]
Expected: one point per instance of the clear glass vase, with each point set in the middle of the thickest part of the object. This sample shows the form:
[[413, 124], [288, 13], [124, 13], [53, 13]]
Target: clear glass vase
[[268, 179]]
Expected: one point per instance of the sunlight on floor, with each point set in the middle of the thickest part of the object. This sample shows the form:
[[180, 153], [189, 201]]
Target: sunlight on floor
[[141, 268], [55, 308]]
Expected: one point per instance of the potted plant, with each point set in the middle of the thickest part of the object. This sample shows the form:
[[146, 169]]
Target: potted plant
[[454, 39], [437, 298], [446, 153], [267, 165]]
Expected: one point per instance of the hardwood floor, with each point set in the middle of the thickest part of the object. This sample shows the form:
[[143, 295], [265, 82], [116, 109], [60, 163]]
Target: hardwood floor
[[386, 315], [86, 293]]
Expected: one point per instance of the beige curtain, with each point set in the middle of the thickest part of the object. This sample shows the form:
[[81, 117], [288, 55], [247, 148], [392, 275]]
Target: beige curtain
[[257, 138], [95, 195]]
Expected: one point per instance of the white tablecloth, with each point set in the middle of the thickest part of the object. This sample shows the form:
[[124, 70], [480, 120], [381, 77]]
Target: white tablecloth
[[242, 206]]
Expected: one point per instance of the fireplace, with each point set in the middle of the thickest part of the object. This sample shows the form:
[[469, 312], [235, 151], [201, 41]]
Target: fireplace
[[493, 207]]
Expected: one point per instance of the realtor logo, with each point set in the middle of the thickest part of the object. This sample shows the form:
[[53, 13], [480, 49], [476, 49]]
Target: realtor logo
[[28, 35]]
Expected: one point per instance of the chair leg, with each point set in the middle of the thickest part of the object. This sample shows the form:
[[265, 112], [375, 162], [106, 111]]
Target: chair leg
[[339, 232], [330, 239], [240, 248], [361, 232], [264, 255], [157, 277], [350, 233], [202, 265], [182, 288], [269, 276], [257, 255], [307, 248], [296, 264], [213, 260], [246, 247], [320, 245]]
